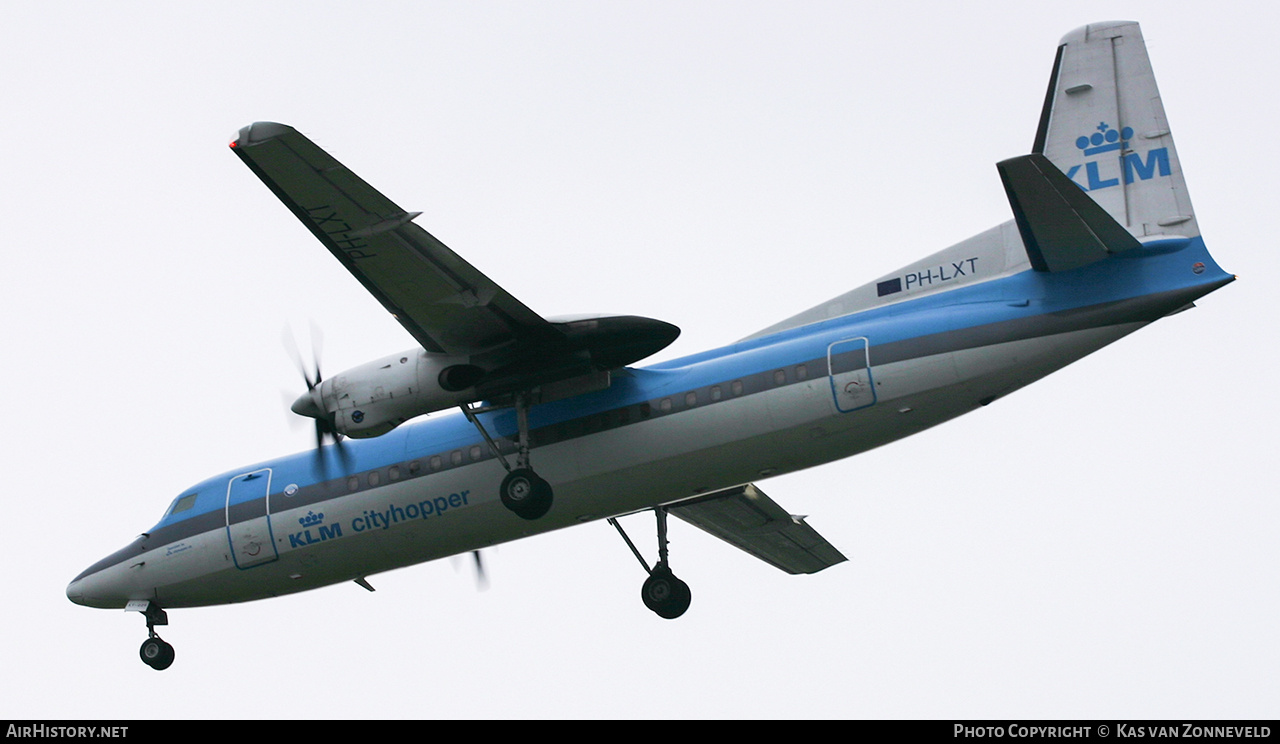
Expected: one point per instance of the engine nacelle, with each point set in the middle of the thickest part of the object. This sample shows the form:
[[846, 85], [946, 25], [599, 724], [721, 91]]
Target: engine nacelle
[[374, 398]]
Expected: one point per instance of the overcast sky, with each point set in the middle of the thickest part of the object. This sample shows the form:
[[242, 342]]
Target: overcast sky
[[1101, 544]]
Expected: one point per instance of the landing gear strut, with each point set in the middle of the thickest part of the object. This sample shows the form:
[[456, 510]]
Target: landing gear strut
[[522, 491], [155, 652], [664, 594]]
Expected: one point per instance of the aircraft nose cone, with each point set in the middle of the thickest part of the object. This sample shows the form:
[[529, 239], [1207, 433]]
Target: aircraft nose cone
[[75, 592], [98, 590], [89, 591], [99, 586]]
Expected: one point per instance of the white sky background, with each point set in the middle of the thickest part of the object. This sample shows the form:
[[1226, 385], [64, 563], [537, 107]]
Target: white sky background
[[1101, 544]]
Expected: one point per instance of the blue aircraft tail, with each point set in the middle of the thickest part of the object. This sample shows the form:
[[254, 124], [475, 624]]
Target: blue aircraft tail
[[1103, 178]]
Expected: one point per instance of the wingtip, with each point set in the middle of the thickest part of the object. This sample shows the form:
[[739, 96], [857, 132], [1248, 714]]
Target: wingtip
[[259, 131]]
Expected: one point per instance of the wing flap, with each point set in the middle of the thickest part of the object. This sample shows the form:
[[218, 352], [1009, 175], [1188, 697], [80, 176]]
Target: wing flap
[[446, 304], [751, 521]]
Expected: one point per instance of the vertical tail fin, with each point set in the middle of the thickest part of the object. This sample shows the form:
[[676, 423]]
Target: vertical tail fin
[[1104, 126]]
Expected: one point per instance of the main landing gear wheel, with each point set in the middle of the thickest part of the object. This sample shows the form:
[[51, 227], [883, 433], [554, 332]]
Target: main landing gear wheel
[[522, 491], [526, 494], [156, 653], [664, 594]]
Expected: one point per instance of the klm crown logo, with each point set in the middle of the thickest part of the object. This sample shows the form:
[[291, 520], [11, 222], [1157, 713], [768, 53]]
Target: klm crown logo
[[1129, 164], [1106, 139], [312, 519]]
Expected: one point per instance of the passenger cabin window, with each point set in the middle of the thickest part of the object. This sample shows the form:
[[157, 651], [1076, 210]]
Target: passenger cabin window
[[374, 477], [802, 372], [715, 392], [690, 399], [736, 387]]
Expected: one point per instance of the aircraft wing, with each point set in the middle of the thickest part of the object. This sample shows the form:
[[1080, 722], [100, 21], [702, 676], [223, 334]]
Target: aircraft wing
[[746, 518], [443, 301]]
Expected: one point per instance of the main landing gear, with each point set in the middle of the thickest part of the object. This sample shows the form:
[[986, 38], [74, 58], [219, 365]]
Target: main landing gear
[[155, 652], [664, 594], [522, 491]]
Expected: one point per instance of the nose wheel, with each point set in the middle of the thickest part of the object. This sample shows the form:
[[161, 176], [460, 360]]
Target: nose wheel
[[155, 651]]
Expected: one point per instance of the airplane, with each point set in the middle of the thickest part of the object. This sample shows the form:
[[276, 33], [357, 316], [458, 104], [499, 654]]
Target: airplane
[[557, 425]]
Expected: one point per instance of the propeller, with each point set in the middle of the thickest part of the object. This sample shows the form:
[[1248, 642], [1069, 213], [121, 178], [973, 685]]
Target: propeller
[[482, 581], [309, 404], [482, 578]]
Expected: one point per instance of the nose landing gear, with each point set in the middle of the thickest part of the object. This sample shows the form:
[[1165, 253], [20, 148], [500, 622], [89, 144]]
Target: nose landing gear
[[155, 652]]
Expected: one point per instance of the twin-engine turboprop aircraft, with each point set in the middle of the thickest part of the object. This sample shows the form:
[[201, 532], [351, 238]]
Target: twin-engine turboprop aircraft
[[557, 429]]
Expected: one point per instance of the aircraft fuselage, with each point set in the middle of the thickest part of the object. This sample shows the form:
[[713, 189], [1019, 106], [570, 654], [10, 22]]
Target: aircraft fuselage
[[738, 414]]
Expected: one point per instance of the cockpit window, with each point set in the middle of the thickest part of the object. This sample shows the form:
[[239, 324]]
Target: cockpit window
[[183, 503]]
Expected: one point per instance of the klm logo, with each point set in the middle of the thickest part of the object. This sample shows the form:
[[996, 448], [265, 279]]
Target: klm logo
[[323, 531], [1134, 166]]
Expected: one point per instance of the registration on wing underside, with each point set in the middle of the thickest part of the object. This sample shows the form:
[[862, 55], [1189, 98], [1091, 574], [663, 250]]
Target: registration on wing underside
[[446, 304]]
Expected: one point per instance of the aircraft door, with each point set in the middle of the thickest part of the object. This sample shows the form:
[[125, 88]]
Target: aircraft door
[[849, 364], [249, 519]]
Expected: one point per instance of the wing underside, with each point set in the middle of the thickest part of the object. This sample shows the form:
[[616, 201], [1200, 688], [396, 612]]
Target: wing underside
[[446, 304], [746, 518]]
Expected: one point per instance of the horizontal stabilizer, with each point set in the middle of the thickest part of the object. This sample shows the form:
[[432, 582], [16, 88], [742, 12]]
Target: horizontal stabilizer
[[746, 518], [1061, 226]]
